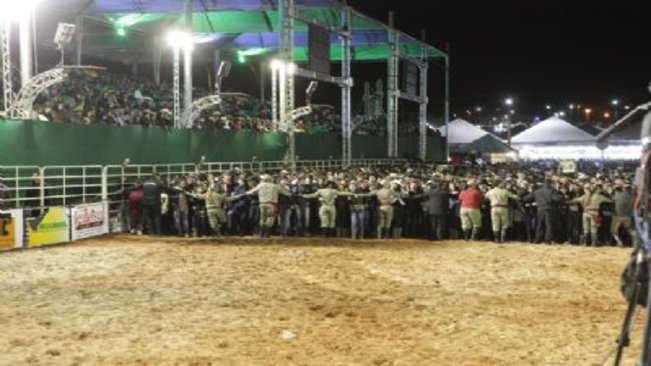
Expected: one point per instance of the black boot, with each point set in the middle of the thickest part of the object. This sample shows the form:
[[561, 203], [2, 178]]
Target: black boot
[[496, 236], [466, 235], [475, 234], [503, 236]]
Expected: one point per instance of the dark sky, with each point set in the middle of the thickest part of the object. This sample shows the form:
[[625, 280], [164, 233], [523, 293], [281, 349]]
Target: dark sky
[[540, 52]]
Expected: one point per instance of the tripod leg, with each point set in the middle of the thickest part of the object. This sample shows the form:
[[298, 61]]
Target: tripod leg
[[623, 340], [646, 349]]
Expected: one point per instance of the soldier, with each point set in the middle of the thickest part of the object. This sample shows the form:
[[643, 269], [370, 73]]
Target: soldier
[[470, 200], [214, 200], [268, 194], [499, 199], [327, 211]]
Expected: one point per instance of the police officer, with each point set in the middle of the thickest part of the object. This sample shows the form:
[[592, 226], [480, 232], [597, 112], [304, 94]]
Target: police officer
[[327, 211], [499, 199], [623, 213], [386, 197], [268, 193], [590, 202], [215, 200]]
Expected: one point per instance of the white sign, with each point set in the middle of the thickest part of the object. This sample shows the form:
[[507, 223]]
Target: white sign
[[12, 229], [90, 220]]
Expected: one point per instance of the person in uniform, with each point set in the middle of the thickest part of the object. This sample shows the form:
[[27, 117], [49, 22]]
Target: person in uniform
[[214, 199], [499, 200], [268, 193], [385, 197], [623, 213], [327, 211], [591, 201]]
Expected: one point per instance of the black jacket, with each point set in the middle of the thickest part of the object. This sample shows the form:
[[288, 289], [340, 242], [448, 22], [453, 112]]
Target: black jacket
[[545, 197], [438, 201]]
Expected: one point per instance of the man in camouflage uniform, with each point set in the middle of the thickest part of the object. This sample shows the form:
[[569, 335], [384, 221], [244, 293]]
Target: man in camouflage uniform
[[327, 211], [214, 207], [386, 197], [268, 195], [499, 199]]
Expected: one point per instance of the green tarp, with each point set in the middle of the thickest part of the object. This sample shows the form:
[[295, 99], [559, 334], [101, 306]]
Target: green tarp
[[47, 143]]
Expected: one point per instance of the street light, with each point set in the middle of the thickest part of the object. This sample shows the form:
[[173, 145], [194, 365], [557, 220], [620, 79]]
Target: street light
[[587, 114], [615, 104], [509, 102]]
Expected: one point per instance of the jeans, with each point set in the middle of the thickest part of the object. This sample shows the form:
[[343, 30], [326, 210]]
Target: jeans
[[181, 222]]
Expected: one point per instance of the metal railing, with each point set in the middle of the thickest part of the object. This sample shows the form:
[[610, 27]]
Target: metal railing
[[37, 187]]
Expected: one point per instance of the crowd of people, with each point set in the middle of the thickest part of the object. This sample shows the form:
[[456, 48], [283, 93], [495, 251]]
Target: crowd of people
[[509, 202], [115, 99]]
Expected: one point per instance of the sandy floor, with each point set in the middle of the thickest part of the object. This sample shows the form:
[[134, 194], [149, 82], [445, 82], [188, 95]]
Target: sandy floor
[[126, 300]]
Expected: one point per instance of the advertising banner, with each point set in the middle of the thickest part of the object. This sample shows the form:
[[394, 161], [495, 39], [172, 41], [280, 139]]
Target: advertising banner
[[89, 220], [12, 229], [51, 228]]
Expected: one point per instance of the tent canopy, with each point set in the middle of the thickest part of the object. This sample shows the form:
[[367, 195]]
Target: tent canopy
[[488, 144], [119, 29], [462, 132], [553, 131]]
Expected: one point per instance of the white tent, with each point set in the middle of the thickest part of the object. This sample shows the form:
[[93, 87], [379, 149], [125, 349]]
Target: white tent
[[462, 132], [553, 131]]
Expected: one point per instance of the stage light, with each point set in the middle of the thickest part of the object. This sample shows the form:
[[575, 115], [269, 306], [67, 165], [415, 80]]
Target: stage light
[[275, 64], [14, 10], [121, 32], [509, 101], [291, 68], [64, 34], [179, 39], [548, 107], [615, 102]]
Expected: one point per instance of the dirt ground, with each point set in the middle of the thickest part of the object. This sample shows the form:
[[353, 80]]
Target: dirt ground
[[126, 300]]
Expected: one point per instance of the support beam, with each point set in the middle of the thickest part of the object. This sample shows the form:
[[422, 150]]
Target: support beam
[[346, 88], [393, 92], [263, 74], [216, 61], [187, 57], [286, 79], [79, 38], [25, 40], [274, 98], [446, 109], [177, 86], [157, 58], [422, 120], [5, 49]]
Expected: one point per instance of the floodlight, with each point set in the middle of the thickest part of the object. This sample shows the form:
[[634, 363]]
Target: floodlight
[[615, 102], [509, 101], [64, 34], [178, 39], [121, 32], [291, 68], [275, 64], [14, 10]]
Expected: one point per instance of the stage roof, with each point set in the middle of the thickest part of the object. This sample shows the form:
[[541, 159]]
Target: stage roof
[[123, 29]]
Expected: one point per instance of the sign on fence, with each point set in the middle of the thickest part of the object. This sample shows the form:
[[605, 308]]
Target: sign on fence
[[51, 228], [89, 220], [12, 229]]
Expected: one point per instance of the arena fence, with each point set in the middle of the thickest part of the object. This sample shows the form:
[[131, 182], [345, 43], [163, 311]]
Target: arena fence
[[53, 204]]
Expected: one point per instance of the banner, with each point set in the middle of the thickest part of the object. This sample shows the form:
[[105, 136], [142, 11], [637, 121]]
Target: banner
[[89, 220], [51, 228], [12, 229]]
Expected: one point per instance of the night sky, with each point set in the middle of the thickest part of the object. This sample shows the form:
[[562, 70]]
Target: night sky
[[539, 52]]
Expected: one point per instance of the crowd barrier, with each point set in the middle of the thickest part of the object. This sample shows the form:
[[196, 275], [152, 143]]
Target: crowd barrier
[[56, 204]]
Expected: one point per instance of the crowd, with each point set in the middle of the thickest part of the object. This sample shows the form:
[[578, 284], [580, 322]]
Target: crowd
[[508, 202], [114, 99]]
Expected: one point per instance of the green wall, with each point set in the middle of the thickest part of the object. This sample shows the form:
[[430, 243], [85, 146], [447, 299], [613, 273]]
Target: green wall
[[47, 143]]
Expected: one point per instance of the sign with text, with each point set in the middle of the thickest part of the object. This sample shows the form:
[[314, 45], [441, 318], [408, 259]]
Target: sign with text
[[89, 220], [51, 228], [12, 229]]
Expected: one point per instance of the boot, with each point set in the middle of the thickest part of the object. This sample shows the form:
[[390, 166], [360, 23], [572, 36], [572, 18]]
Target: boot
[[338, 233], [397, 233], [361, 232], [379, 232], [263, 232], [496, 236], [618, 240], [475, 234], [594, 238], [353, 233], [583, 239], [503, 236], [466, 235]]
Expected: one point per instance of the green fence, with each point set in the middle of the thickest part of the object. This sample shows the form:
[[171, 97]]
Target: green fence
[[47, 143]]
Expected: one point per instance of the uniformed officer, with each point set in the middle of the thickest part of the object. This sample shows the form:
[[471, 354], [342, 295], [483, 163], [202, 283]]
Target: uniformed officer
[[590, 202], [499, 199], [327, 211], [268, 194], [386, 197], [214, 200]]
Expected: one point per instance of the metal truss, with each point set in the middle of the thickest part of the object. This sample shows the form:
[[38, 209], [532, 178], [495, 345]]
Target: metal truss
[[291, 136], [196, 108], [24, 101], [5, 48]]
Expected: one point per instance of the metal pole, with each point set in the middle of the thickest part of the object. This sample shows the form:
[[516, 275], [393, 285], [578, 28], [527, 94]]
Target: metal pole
[[446, 111], [346, 124], [422, 125], [79, 37], [286, 19], [216, 62], [274, 97], [26, 61], [282, 110], [156, 62], [392, 92], [262, 76], [187, 58], [5, 47], [177, 86]]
